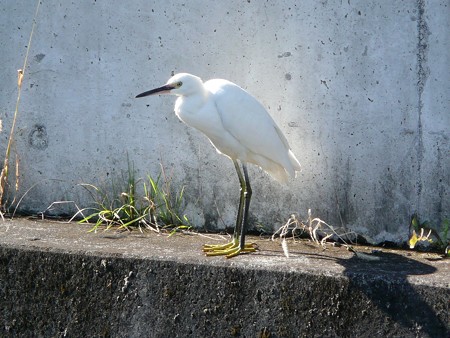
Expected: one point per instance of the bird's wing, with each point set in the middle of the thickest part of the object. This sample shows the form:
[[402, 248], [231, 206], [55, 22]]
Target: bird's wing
[[249, 122]]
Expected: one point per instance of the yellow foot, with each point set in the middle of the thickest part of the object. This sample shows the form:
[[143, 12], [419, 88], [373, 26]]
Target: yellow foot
[[228, 250]]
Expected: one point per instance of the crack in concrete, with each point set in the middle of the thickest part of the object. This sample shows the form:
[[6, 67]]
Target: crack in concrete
[[422, 76]]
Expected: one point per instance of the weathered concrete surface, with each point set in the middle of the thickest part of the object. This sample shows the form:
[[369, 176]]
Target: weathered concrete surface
[[360, 88], [58, 280]]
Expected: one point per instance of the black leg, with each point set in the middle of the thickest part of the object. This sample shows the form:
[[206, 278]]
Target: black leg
[[240, 214], [237, 245], [248, 196]]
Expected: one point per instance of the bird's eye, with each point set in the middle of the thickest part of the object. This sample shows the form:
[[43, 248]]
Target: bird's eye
[[179, 84]]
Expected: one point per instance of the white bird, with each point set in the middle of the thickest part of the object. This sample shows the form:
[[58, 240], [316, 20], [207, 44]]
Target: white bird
[[240, 128]]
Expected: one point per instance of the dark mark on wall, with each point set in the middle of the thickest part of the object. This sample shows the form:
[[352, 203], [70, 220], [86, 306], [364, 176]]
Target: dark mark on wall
[[39, 57], [38, 138], [284, 55]]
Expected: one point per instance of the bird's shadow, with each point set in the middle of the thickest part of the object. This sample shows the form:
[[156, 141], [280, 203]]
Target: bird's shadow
[[393, 294], [384, 281]]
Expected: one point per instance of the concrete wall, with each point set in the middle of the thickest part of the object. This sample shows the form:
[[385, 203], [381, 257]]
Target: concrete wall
[[58, 280], [360, 88]]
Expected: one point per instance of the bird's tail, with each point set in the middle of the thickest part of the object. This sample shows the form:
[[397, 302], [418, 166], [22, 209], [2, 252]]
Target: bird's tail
[[281, 173], [295, 163]]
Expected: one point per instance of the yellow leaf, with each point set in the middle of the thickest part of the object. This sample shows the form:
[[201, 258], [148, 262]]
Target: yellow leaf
[[19, 77], [413, 240]]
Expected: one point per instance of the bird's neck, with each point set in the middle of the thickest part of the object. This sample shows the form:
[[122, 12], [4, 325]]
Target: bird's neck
[[190, 103], [188, 108]]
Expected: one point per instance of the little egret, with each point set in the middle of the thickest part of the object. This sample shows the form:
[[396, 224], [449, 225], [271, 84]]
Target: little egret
[[240, 128]]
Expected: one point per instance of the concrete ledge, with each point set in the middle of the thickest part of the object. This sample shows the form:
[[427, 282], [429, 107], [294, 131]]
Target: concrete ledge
[[58, 280]]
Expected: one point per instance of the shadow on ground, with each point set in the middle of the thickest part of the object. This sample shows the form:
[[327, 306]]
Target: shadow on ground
[[404, 304]]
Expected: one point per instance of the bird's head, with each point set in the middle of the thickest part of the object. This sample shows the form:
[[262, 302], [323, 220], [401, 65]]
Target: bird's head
[[182, 84]]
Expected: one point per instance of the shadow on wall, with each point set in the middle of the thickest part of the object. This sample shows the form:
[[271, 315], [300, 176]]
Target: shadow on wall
[[390, 291]]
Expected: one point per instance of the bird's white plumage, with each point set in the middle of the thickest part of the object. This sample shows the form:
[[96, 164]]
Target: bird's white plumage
[[235, 122]]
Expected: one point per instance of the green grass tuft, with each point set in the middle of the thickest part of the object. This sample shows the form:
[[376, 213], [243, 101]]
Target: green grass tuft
[[158, 207]]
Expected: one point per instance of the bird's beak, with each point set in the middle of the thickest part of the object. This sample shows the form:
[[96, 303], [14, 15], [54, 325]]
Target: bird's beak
[[161, 90]]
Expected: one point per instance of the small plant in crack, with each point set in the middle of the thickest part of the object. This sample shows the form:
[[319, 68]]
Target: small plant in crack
[[157, 205], [438, 237]]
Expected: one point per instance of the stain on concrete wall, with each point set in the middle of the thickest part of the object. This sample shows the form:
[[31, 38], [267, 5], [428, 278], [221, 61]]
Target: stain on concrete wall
[[38, 138]]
